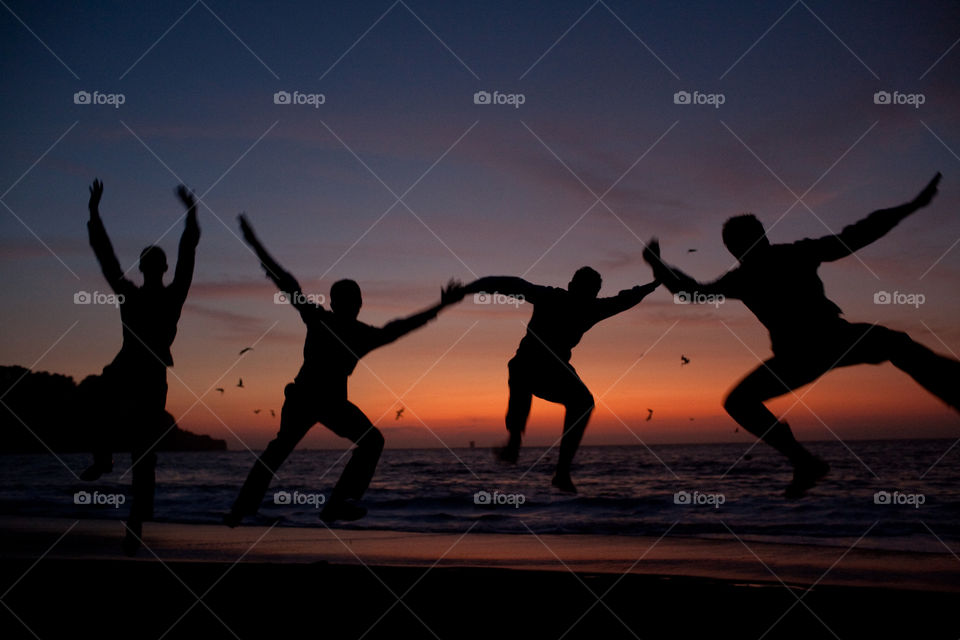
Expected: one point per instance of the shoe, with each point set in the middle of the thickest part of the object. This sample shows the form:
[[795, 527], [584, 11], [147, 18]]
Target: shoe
[[563, 482], [95, 470], [805, 475], [345, 510], [131, 541], [232, 519], [508, 453]]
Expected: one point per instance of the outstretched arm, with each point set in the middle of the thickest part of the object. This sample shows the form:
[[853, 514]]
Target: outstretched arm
[[677, 281], [626, 299], [451, 294], [187, 251], [283, 279], [507, 285], [872, 228], [100, 242]]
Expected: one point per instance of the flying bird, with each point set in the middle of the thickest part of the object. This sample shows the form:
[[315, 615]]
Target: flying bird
[[240, 384], [399, 413], [691, 250], [245, 349], [649, 415], [684, 360], [220, 389]]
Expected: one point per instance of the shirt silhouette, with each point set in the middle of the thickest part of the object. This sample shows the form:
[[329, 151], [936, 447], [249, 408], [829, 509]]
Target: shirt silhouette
[[780, 285], [334, 344], [541, 366], [131, 394]]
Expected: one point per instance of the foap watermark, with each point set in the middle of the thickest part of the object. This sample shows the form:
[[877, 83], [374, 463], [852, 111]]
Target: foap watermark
[[499, 498], [298, 98], [497, 298], [698, 297], [299, 297], [299, 498], [111, 99], [96, 499], [512, 99], [899, 297], [699, 499], [909, 99], [899, 498], [710, 99], [96, 297]]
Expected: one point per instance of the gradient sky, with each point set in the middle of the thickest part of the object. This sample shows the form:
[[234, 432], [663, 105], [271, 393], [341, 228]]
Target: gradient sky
[[486, 189]]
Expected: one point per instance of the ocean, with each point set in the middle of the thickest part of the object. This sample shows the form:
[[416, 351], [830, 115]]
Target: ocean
[[896, 494]]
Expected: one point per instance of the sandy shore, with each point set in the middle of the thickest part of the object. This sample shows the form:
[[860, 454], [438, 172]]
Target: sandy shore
[[67, 578]]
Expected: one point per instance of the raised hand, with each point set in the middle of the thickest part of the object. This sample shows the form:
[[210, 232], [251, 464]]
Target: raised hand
[[96, 192], [452, 293], [651, 253], [925, 196], [248, 235], [187, 197]]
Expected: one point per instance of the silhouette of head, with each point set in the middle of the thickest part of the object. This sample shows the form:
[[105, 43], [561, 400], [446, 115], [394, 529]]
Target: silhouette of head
[[153, 262], [741, 234], [345, 298], [585, 283]]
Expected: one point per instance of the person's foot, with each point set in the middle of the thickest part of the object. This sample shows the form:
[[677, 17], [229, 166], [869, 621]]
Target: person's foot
[[131, 541], [563, 482], [345, 510], [232, 519], [508, 453], [806, 474], [95, 470]]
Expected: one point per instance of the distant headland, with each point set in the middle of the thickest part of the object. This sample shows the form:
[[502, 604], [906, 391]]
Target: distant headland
[[41, 411]]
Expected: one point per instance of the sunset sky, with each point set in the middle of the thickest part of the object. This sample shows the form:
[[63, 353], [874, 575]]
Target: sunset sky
[[400, 181]]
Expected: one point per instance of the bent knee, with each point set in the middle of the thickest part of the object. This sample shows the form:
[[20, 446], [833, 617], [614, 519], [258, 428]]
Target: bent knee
[[735, 401], [584, 401], [885, 344], [372, 440]]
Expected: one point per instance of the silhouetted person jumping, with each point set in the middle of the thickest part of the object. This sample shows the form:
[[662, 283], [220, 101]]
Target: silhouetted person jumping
[[132, 391], [780, 285], [541, 366], [335, 342]]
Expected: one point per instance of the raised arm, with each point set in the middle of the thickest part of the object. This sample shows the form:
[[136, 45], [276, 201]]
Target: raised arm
[[677, 281], [187, 251], [507, 285], [100, 243], [451, 294], [283, 279], [872, 228]]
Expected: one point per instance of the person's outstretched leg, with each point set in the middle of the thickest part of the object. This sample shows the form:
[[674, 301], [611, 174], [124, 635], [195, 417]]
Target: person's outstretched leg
[[295, 421], [348, 421], [936, 373], [744, 403], [518, 410]]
